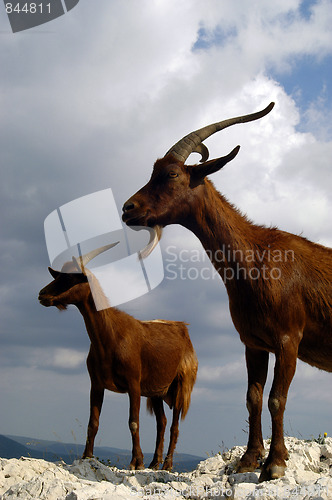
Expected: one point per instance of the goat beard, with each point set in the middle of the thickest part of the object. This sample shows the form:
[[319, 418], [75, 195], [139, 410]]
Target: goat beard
[[154, 240]]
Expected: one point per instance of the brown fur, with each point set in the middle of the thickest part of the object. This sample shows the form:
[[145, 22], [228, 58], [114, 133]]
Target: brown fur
[[278, 284], [154, 359]]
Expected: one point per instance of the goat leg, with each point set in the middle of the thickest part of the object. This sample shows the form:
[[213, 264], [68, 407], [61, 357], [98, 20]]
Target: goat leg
[[134, 402], [158, 409], [257, 366], [96, 402], [168, 463], [284, 370]]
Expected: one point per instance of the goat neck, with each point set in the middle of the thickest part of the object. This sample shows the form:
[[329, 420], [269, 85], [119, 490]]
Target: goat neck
[[99, 324], [224, 232]]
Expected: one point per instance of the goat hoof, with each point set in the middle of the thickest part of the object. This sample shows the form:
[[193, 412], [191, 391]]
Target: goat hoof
[[247, 465], [167, 466], [249, 461], [246, 468], [154, 465], [272, 472], [136, 465]]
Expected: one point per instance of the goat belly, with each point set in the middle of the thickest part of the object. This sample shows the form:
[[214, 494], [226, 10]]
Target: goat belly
[[110, 385], [114, 382], [150, 392], [157, 377]]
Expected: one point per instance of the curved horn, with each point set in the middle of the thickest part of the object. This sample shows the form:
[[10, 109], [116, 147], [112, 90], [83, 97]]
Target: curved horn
[[193, 142], [83, 260], [155, 236]]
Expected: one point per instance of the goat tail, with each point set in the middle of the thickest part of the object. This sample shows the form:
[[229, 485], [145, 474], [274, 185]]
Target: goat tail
[[186, 380], [179, 394]]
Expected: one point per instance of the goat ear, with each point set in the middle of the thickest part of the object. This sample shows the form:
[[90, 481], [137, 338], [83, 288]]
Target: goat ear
[[54, 273], [78, 264], [209, 167]]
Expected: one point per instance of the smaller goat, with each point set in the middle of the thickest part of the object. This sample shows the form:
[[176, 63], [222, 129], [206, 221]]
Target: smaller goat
[[155, 359]]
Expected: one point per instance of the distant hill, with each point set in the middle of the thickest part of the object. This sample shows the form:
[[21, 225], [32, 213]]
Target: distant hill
[[53, 451], [12, 449], [16, 447]]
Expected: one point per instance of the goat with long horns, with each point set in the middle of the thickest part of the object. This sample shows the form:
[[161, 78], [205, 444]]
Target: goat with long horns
[[288, 313]]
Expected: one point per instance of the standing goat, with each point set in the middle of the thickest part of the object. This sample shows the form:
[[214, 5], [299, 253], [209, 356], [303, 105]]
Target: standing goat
[[154, 359], [285, 310]]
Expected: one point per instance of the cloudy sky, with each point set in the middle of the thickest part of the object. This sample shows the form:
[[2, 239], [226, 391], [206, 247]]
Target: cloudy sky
[[88, 102]]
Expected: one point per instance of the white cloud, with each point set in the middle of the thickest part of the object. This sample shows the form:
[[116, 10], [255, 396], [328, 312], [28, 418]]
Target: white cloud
[[68, 358], [225, 374], [59, 358], [317, 116], [281, 175]]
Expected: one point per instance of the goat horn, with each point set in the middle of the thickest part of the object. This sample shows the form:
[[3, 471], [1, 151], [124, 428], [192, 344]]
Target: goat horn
[[193, 141], [155, 236], [83, 260]]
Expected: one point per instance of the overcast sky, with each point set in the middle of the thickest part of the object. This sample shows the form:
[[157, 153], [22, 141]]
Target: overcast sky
[[88, 102]]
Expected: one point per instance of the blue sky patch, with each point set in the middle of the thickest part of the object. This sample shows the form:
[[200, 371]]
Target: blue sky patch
[[306, 8], [307, 80], [208, 38]]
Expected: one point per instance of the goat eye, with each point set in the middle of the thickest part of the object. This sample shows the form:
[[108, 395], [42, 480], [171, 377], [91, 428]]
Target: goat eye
[[173, 175]]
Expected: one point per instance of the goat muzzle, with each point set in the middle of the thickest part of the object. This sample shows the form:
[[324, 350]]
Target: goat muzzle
[[44, 300], [134, 215]]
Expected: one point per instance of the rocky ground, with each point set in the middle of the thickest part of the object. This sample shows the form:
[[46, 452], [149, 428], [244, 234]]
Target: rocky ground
[[308, 476]]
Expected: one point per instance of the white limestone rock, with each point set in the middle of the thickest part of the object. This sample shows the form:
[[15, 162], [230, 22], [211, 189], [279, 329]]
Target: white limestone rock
[[308, 477]]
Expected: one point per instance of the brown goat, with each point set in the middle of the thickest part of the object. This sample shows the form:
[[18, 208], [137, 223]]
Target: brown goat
[[154, 359], [278, 284]]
